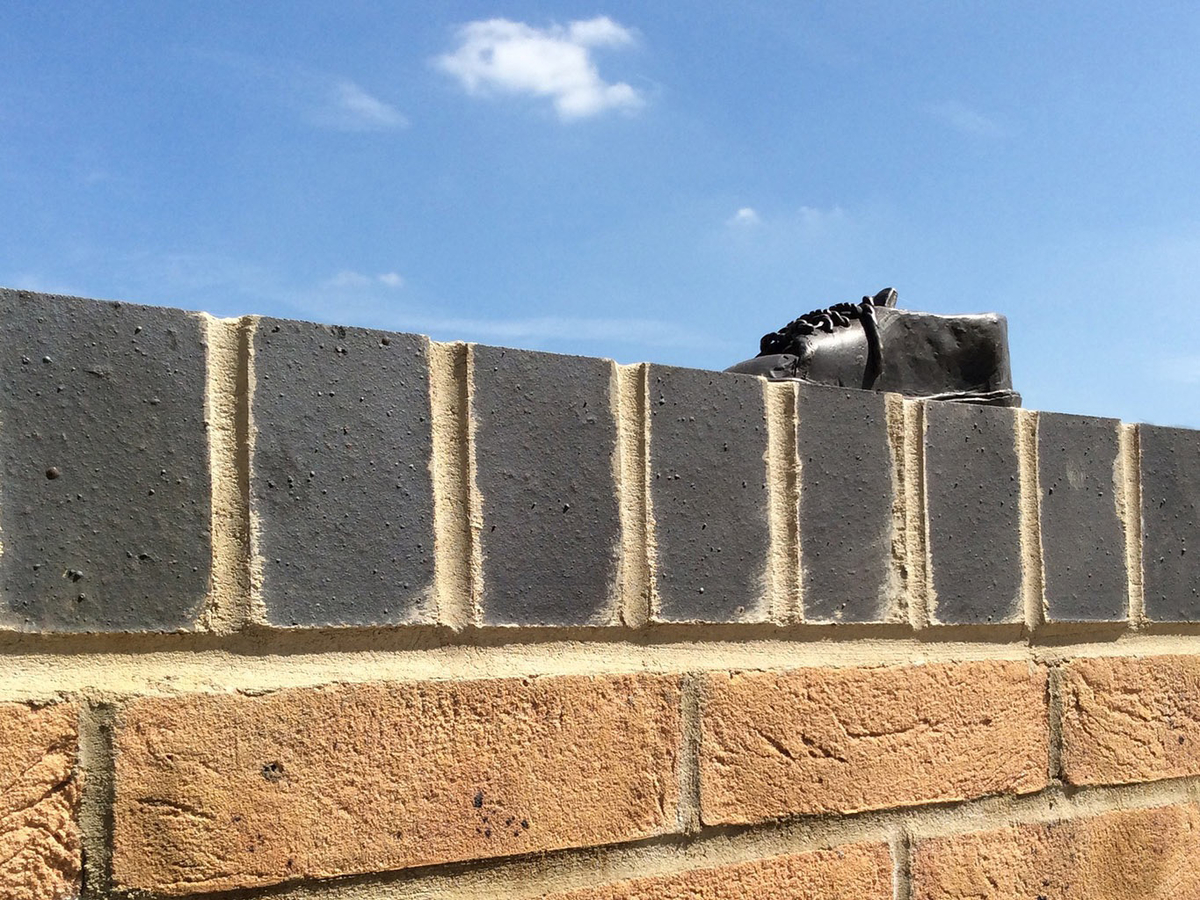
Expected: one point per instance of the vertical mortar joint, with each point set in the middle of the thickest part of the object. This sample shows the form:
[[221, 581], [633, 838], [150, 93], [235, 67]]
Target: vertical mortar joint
[[900, 843], [921, 594], [455, 514], [633, 485], [1129, 509], [1033, 580], [691, 701], [784, 571], [97, 765], [228, 388]]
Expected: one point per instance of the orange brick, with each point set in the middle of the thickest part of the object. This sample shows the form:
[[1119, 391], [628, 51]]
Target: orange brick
[[854, 872], [40, 853], [843, 740], [1148, 854], [223, 791], [1128, 720]]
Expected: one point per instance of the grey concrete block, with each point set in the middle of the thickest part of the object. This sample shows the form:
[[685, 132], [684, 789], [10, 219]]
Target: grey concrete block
[[340, 480], [708, 490], [105, 510], [847, 486], [545, 463], [973, 489], [1171, 522], [1083, 540]]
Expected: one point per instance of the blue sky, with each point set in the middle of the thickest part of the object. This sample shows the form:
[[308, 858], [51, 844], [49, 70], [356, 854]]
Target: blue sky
[[638, 181]]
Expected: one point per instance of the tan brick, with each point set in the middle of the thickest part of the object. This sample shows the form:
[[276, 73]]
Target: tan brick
[[854, 872], [1148, 854], [843, 740], [39, 801], [1128, 720], [221, 791]]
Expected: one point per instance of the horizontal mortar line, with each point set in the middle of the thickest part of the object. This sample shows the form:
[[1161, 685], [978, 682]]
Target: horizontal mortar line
[[526, 878], [41, 676], [255, 637]]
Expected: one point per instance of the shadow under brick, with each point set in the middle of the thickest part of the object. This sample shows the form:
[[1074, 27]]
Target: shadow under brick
[[105, 512], [340, 480]]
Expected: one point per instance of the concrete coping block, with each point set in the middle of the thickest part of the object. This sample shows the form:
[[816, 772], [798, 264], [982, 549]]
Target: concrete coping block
[[544, 435], [847, 508], [709, 496], [105, 486], [1081, 480], [973, 516], [1170, 481], [341, 488]]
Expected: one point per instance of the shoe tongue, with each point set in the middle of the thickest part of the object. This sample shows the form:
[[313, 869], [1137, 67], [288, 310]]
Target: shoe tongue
[[887, 297]]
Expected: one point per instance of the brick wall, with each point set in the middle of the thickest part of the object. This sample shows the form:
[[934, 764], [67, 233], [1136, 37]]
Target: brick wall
[[298, 611]]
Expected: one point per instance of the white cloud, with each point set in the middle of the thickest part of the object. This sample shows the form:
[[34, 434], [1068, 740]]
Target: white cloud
[[499, 55], [349, 280], [807, 223], [816, 221], [345, 106], [744, 218], [967, 120]]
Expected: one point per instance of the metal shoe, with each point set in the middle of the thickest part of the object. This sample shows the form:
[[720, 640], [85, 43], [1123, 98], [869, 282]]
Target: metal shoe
[[875, 346]]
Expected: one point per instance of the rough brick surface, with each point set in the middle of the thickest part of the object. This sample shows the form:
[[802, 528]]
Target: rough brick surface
[[844, 740], [1148, 854], [708, 490], [221, 791], [340, 480], [973, 486], [39, 799], [1083, 541], [104, 487], [846, 490], [853, 872], [1170, 463], [1130, 720], [545, 457]]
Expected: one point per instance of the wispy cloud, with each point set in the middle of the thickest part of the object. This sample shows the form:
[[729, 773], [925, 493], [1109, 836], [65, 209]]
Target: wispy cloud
[[322, 99], [963, 118], [506, 57], [806, 223], [31, 281], [644, 332], [348, 279], [745, 217], [344, 106]]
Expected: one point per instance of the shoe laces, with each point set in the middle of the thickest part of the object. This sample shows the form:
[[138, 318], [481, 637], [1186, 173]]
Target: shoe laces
[[788, 339]]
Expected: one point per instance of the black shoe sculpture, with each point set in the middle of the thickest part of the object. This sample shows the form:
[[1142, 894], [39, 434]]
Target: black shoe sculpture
[[875, 346]]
